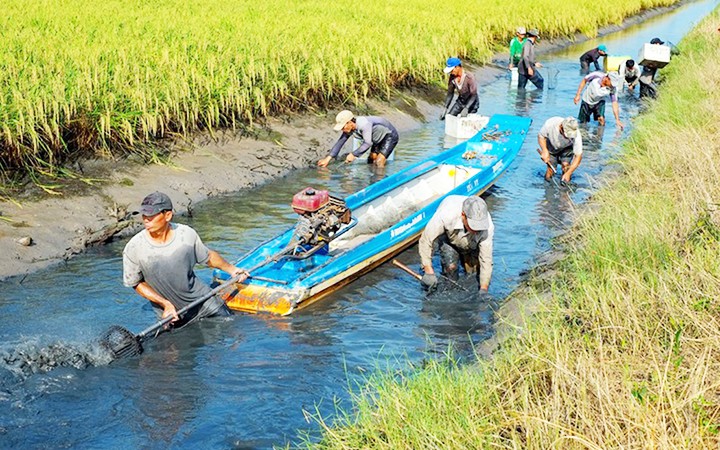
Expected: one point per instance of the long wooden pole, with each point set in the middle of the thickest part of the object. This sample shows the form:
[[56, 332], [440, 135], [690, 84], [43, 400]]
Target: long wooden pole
[[406, 269]]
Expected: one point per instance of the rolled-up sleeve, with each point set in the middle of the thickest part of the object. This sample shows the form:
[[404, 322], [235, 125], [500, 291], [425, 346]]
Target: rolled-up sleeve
[[578, 145], [434, 229], [485, 256]]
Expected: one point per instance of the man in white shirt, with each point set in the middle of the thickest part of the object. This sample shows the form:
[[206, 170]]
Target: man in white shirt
[[463, 230], [630, 73]]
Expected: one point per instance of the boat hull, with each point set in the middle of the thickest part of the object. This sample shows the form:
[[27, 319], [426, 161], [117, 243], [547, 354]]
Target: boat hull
[[391, 216]]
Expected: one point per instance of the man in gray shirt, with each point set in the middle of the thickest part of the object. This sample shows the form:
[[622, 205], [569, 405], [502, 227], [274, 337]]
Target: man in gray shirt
[[463, 230], [527, 68], [560, 143], [376, 133], [158, 263]]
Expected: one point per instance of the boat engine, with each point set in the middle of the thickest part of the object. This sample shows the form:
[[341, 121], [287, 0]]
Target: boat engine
[[321, 216]]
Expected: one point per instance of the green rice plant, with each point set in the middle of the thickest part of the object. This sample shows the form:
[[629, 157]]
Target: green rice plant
[[626, 350], [107, 77]]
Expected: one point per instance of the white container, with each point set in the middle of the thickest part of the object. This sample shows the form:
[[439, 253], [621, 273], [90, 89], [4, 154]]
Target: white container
[[653, 55], [513, 74], [465, 127]]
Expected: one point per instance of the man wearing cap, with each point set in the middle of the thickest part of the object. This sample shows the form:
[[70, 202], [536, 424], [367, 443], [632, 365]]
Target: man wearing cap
[[376, 134], [158, 263], [516, 44], [560, 143], [599, 86], [527, 67], [592, 56], [648, 88], [463, 231], [629, 74], [464, 83]]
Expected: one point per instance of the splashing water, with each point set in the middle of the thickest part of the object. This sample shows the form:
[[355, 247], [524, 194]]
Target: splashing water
[[30, 358]]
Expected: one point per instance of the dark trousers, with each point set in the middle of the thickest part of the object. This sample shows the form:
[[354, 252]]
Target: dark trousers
[[451, 255], [648, 90], [536, 79], [586, 111], [386, 146], [459, 106], [585, 66]]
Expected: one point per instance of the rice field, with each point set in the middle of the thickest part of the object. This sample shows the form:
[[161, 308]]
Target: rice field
[[110, 75], [624, 351]]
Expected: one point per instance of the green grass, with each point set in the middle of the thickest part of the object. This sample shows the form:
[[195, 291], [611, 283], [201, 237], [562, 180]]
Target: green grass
[[120, 73], [626, 352]]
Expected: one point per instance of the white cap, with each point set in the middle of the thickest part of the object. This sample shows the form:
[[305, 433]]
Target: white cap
[[570, 127], [342, 118]]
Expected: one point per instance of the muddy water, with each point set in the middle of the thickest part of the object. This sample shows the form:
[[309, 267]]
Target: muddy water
[[251, 381]]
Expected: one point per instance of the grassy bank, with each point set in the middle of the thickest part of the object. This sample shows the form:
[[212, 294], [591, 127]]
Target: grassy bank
[[109, 76], [626, 353]]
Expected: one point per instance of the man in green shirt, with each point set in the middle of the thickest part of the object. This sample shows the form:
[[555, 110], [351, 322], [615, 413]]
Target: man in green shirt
[[516, 47]]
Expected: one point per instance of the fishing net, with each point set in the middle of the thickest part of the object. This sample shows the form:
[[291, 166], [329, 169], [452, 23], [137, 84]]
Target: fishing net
[[120, 342], [552, 77]]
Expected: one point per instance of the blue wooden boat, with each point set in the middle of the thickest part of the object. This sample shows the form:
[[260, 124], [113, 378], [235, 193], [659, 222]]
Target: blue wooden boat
[[387, 217]]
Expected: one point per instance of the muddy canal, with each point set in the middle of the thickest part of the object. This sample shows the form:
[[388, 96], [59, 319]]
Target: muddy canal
[[250, 381]]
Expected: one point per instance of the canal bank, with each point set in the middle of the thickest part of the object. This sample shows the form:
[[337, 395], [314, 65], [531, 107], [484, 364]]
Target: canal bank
[[623, 344]]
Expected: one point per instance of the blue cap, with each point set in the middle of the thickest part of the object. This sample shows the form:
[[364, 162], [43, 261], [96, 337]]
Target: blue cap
[[451, 64], [602, 48]]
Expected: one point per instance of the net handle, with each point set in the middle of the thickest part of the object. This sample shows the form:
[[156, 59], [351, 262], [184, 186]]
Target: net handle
[[141, 335]]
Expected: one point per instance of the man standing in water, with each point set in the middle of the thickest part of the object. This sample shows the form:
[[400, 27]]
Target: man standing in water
[[527, 67], [464, 83], [599, 86], [516, 44], [463, 230], [648, 88], [376, 134], [560, 143], [158, 263]]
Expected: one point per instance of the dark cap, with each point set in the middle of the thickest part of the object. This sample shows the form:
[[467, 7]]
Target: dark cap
[[155, 203], [656, 41], [476, 213]]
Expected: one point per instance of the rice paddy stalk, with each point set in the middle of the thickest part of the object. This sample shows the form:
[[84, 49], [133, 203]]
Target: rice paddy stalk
[[107, 78]]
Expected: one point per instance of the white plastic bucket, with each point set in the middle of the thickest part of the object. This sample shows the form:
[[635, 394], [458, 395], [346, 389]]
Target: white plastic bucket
[[464, 127]]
